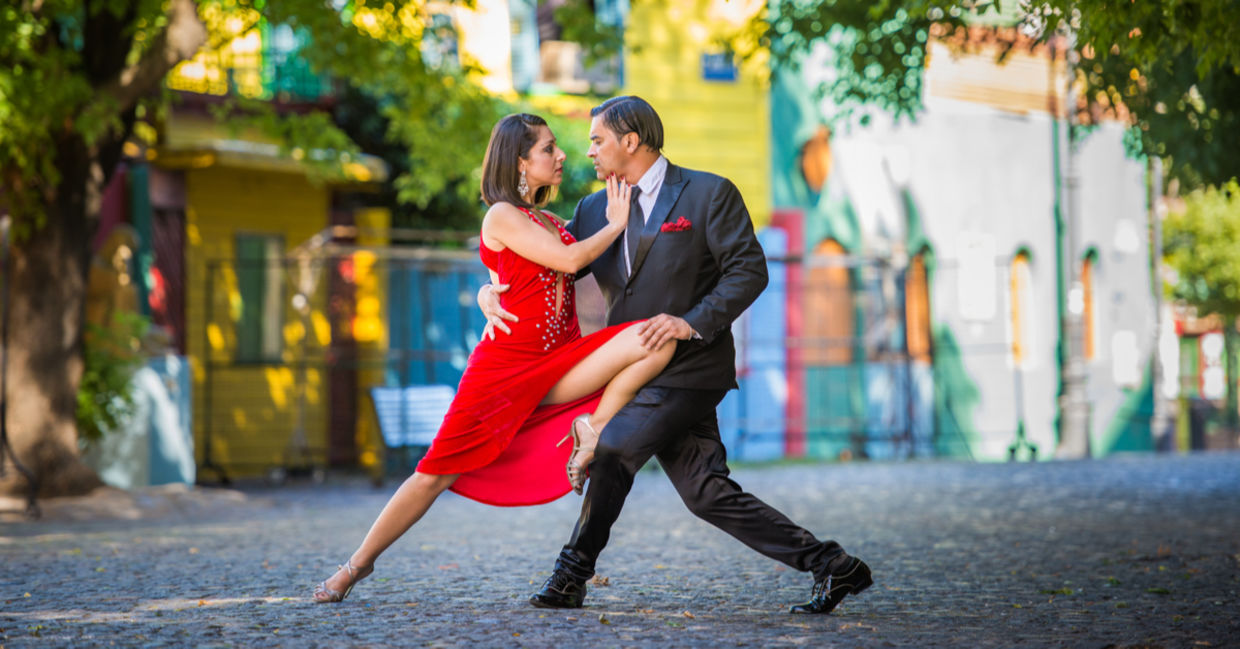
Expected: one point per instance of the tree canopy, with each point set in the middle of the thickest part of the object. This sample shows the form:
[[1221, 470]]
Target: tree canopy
[[1199, 243], [1199, 240], [1172, 68]]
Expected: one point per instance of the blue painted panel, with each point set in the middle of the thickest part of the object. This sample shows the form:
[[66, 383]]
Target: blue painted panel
[[435, 322], [752, 420], [885, 410], [171, 439]]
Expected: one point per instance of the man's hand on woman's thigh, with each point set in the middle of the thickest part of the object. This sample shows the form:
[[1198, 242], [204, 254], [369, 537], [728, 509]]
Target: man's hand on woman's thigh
[[661, 329]]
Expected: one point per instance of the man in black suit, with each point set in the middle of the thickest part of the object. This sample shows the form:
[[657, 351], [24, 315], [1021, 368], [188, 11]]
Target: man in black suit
[[689, 250]]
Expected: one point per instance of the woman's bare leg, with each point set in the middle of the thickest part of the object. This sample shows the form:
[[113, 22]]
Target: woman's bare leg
[[405, 508], [621, 366]]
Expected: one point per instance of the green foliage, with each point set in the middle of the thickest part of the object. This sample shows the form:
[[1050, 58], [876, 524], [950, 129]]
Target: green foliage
[[1191, 120], [1175, 66], [878, 49], [111, 356], [432, 110], [422, 116], [1200, 244], [310, 137], [38, 96], [599, 41], [1150, 31], [375, 120], [398, 98], [366, 117], [49, 87], [445, 128]]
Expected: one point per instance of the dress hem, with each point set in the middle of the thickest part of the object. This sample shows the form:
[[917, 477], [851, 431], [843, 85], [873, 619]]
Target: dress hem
[[496, 503]]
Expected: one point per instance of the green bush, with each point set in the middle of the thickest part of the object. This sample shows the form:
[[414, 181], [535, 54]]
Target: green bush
[[112, 353]]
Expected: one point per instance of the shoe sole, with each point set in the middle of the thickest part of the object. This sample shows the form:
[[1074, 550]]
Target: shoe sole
[[538, 603]]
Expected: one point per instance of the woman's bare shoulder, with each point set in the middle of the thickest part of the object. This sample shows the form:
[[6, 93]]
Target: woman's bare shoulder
[[502, 212]]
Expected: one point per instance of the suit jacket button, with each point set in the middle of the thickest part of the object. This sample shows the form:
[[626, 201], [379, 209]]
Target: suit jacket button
[[628, 291]]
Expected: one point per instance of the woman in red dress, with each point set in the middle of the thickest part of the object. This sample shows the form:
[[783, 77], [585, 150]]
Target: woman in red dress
[[498, 442]]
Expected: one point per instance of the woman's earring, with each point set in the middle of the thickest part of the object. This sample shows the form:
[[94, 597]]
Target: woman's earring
[[523, 187]]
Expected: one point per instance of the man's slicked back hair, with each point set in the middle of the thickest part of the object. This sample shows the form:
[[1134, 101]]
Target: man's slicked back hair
[[632, 114]]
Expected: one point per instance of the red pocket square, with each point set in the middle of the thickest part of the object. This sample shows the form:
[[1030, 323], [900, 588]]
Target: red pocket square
[[679, 225]]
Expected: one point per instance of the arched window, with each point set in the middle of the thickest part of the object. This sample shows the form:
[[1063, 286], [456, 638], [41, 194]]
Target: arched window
[[829, 315], [815, 159], [1089, 331], [1021, 291], [917, 309]]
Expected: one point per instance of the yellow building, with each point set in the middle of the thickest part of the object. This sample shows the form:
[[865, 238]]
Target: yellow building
[[255, 320], [715, 107]]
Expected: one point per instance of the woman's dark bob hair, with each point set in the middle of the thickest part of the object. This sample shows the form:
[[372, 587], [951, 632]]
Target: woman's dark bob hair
[[512, 138]]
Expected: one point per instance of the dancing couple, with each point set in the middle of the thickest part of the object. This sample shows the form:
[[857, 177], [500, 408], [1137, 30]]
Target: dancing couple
[[674, 253]]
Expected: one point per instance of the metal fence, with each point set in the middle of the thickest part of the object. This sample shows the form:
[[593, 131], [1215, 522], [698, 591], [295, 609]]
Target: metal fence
[[836, 359], [290, 346]]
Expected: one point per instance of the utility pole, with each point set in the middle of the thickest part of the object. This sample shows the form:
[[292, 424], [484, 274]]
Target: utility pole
[[1074, 407], [1162, 424]]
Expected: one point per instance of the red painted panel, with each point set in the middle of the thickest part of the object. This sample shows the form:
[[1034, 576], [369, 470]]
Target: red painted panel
[[792, 222]]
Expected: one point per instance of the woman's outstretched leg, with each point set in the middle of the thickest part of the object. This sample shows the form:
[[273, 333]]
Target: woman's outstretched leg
[[405, 508], [621, 366]]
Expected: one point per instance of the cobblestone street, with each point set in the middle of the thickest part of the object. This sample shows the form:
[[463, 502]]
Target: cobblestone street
[[1137, 551]]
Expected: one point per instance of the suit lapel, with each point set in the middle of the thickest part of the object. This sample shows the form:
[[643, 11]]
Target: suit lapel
[[673, 183]]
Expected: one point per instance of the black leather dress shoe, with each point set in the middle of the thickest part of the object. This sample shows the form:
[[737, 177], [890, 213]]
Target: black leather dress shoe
[[828, 593], [560, 591]]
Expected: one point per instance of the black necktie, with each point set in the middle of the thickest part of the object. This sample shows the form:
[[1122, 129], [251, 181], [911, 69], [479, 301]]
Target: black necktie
[[637, 221]]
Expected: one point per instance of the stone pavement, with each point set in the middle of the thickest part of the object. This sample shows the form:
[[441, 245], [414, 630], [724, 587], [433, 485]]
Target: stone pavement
[[1137, 551]]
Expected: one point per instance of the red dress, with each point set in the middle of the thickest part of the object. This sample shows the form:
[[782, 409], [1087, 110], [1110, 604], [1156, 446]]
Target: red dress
[[495, 434]]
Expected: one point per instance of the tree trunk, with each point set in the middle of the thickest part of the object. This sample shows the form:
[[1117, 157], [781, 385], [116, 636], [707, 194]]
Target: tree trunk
[[49, 267], [47, 294]]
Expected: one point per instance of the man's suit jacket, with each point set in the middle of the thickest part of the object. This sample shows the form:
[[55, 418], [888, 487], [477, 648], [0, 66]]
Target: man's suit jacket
[[705, 266]]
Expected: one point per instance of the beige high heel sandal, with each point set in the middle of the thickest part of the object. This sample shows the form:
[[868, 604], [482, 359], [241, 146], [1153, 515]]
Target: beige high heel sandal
[[577, 472], [325, 595]]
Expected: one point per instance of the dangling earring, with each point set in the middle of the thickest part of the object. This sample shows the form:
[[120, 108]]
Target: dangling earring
[[522, 187]]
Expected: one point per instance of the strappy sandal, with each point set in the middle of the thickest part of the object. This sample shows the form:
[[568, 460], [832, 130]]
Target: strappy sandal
[[325, 595], [577, 472]]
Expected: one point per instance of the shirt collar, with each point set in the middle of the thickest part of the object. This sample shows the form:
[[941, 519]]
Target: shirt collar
[[652, 180]]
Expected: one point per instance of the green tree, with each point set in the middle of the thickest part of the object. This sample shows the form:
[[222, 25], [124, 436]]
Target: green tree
[[367, 117], [1200, 243], [1174, 65], [76, 76]]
